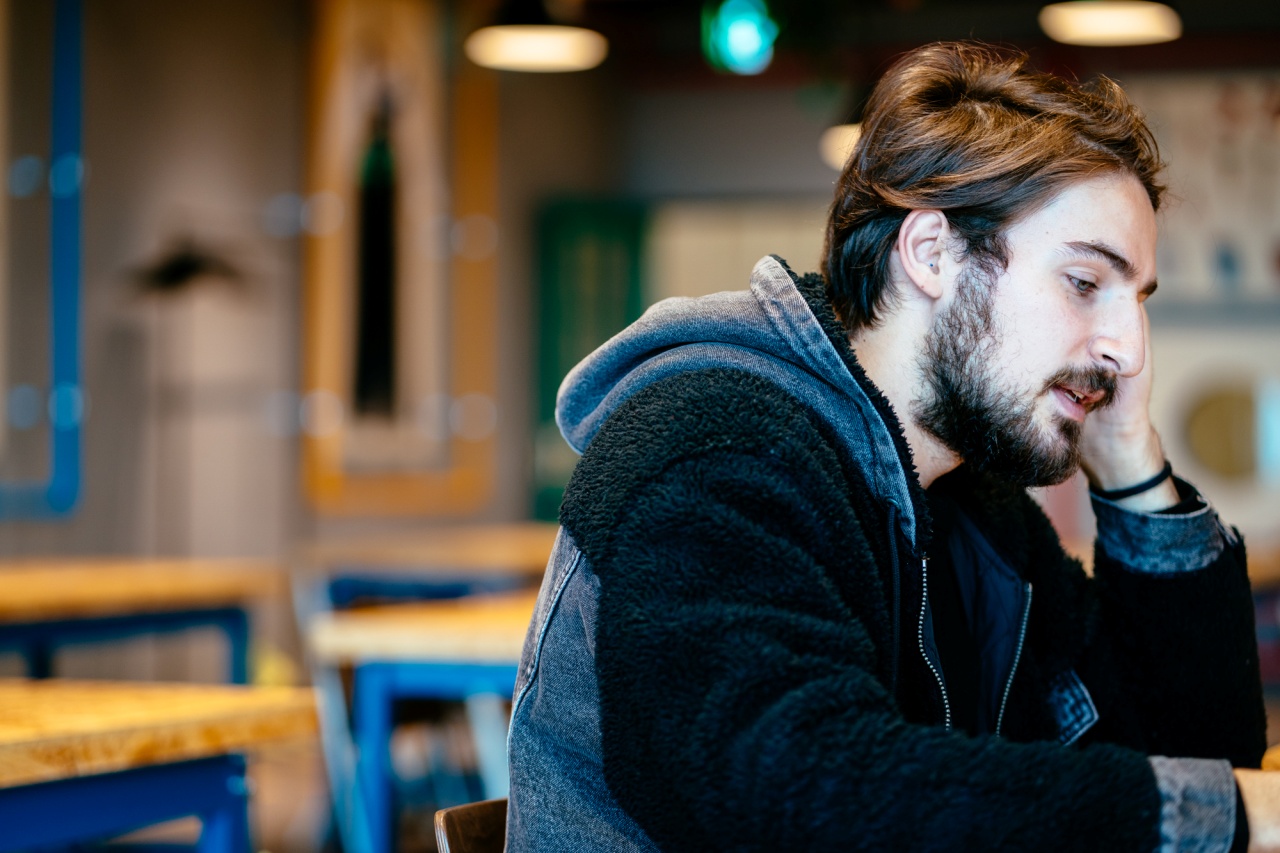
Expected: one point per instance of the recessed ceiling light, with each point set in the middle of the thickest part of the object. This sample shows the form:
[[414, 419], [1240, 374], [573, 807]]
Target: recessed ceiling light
[[1110, 23], [536, 48], [525, 38]]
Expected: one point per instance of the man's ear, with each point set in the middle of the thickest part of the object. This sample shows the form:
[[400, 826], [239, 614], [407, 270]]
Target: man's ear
[[921, 250]]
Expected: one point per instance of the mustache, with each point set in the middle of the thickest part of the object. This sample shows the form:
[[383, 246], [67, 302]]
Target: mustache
[[1090, 379]]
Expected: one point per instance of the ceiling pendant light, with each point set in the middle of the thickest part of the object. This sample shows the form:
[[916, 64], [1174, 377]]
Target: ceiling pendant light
[[524, 38], [1110, 23]]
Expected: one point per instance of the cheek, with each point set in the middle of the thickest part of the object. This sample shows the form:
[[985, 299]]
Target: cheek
[[1021, 372], [1047, 334], [1028, 354]]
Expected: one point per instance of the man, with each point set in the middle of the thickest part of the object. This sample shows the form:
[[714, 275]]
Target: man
[[801, 600]]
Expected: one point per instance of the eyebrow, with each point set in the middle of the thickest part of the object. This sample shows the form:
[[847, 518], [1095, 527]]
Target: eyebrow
[[1099, 250]]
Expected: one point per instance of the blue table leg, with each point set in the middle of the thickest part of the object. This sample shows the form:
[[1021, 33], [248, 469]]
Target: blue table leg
[[225, 829], [93, 808], [377, 686], [235, 624], [373, 695]]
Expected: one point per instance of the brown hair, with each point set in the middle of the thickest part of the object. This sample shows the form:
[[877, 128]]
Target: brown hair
[[968, 130]]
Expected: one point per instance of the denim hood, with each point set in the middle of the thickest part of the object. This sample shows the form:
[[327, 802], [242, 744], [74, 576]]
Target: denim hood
[[772, 331]]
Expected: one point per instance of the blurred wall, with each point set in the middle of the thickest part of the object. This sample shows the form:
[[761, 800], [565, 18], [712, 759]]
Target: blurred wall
[[195, 135], [192, 125], [561, 136], [194, 130], [731, 141]]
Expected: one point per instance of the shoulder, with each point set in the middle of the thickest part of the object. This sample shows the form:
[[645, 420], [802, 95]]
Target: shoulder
[[701, 412], [719, 430], [700, 409]]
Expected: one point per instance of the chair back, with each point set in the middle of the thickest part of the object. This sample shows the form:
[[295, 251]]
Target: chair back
[[472, 828]]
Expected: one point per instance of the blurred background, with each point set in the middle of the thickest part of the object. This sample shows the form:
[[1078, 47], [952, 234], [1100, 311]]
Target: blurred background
[[333, 270], [279, 274]]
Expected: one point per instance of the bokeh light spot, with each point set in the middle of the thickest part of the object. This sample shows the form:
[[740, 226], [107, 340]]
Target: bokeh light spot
[[282, 215], [322, 413], [25, 175], [475, 237], [323, 213], [66, 176], [282, 413], [22, 407], [473, 417], [738, 36], [66, 406], [431, 417]]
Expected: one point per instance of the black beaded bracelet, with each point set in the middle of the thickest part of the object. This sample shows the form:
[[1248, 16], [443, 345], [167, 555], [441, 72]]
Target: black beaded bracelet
[[1145, 486]]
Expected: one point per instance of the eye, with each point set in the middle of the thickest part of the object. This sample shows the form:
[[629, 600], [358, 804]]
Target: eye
[[1082, 286]]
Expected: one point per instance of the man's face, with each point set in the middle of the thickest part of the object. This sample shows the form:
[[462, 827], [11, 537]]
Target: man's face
[[1016, 361]]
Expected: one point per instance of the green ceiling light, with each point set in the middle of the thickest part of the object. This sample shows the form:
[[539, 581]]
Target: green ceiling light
[[524, 38], [1110, 23], [738, 36]]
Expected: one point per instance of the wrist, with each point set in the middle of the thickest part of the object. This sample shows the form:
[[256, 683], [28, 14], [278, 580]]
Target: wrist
[[1165, 473], [1260, 791], [1130, 465], [1158, 498], [1122, 463]]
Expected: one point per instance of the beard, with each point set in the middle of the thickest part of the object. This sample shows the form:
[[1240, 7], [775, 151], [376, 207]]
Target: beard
[[990, 426]]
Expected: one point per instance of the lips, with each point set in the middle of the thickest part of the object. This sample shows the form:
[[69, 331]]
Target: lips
[[1083, 397], [1082, 390]]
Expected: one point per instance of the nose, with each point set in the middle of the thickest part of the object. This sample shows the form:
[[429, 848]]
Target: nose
[[1120, 344]]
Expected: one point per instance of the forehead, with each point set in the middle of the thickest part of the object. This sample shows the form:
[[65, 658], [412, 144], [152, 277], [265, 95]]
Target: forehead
[[1112, 210]]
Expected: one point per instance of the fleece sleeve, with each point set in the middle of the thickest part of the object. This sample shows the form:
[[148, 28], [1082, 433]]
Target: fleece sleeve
[[1178, 609], [1177, 582]]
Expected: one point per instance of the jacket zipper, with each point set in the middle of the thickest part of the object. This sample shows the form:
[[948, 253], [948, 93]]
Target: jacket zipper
[[1017, 656], [924, 603], [897, 603]]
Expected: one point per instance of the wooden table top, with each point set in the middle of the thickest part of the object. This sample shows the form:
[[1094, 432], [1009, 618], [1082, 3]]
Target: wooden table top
[[46, 589], [56, 729], [520, 548], [475, 629]]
